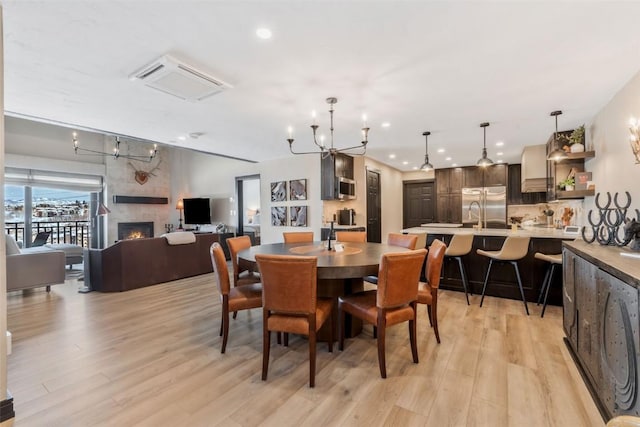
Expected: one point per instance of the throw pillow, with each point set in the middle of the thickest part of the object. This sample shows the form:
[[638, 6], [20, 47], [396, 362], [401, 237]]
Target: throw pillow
[[11, 245]]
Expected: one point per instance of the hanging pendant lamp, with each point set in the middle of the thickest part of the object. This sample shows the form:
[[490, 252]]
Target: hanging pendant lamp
[[426, 166], [484, 160], [557, 154]]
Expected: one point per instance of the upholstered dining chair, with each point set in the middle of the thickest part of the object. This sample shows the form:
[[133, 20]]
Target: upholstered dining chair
[[393, 302], [298, 236], [233, 299], [428, 291], [351, 236], [243, 274], [396, 239], [290, 303]]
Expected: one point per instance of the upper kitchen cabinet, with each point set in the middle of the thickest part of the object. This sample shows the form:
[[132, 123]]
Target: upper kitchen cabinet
[[333, 168], [495, 175], [559, 173], [449, 195], [490, 176], [448, 181], [472, 177]]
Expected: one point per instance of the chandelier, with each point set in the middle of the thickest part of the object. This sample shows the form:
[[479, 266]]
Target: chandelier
[[330, 150], [147, 158]]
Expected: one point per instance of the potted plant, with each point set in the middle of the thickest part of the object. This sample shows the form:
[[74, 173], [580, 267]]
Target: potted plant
[[568, 184], [576, 140]]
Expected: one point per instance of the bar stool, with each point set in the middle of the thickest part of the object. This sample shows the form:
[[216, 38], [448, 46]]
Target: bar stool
[[460, 246], [513, 249], [553, 260]]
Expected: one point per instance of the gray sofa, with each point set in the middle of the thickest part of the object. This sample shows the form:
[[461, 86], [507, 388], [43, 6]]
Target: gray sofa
[[33, 267]]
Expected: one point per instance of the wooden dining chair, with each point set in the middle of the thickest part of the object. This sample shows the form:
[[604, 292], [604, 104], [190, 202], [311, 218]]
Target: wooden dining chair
[[428, 291], [396, 239], [233, 299], [394, 301], [351, 236], [298, 236], [290, 303]]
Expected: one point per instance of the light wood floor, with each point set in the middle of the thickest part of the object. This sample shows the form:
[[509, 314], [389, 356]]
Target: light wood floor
[[152, 357]]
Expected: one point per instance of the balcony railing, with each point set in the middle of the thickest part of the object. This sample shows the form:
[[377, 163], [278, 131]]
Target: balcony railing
[[74, 232]]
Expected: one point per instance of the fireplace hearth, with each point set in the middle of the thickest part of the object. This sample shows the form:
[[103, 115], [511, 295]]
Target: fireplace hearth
[[135, 230]]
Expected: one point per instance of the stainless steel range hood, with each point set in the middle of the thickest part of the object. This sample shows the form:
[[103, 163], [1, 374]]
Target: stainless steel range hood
[[534, 169]]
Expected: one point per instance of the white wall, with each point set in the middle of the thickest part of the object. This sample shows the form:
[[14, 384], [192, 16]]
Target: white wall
[[201, 175], [3, 250], [614, 168]]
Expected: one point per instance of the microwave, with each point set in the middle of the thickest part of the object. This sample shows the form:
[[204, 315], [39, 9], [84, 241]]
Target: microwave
[[346, 189]]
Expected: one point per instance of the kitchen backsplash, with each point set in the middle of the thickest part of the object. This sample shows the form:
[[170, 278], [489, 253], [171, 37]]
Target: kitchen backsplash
[[566, 212]]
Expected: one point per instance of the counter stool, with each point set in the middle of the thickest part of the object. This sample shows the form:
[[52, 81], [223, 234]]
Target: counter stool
[[553, 260], [513, 249], [460, 246]]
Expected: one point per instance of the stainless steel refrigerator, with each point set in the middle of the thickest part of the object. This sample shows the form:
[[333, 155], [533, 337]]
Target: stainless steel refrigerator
[[485, 205]]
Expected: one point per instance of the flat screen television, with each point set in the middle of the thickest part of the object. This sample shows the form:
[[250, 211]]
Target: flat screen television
[[197, 211]]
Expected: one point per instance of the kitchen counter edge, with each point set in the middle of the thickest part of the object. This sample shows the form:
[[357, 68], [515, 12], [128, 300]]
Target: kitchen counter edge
[[540, 233]]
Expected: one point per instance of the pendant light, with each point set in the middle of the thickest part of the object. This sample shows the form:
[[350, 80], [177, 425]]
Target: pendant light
[[484, 160], [426, 166], [557, 154]]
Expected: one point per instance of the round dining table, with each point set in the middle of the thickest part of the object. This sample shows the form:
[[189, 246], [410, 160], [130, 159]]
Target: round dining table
[[339, 272]]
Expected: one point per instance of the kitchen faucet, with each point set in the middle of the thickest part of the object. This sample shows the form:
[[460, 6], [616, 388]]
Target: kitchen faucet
[[479, 212]]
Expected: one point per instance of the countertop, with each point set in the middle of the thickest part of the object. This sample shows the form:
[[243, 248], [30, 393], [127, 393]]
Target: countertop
[[608, 258], [537, 232]]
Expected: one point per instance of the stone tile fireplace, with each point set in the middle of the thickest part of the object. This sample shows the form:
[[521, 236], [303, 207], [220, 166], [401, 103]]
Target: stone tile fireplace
[[135, 230]]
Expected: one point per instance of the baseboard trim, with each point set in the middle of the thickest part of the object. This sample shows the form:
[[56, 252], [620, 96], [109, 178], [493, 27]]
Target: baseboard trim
[[6, 408]]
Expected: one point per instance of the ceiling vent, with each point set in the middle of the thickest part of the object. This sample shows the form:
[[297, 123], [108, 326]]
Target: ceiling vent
[[176, 78]]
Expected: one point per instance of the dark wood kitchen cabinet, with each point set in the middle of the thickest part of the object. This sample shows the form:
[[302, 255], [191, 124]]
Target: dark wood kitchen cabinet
[[472, 177], [495, 175], [448, 181], [449, 195], [331, 168], [449, 208]]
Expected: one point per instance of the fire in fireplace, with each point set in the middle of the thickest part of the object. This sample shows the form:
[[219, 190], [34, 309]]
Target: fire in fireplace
[[134, 230]]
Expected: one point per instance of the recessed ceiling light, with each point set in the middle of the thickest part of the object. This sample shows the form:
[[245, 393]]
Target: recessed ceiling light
[[499, 153], [500, 161], [440, 150], [499, 144], [448, 159], [405, 163], [182, 138], [263, 33], [385, 124], [454, 164], [392, 156], [415, 168]]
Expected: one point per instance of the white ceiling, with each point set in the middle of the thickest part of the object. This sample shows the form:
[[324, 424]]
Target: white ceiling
[[439, 66]]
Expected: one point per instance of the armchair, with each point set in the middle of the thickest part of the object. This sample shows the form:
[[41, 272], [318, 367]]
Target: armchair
[[33, 267]]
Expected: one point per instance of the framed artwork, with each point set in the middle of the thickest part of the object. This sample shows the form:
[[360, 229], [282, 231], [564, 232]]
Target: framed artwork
[[279, 191], [298, 216], [298, 189], [279, 216]]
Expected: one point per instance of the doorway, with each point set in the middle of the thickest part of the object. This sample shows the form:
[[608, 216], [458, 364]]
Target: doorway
[[249, 216], [418, 203], [374, 207]]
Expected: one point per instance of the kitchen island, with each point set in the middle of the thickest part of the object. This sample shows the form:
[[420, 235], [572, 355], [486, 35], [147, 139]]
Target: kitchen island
[[600, 320], [503, 281]]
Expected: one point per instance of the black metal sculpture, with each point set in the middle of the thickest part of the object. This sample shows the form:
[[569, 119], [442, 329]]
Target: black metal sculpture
[[605, 229]]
